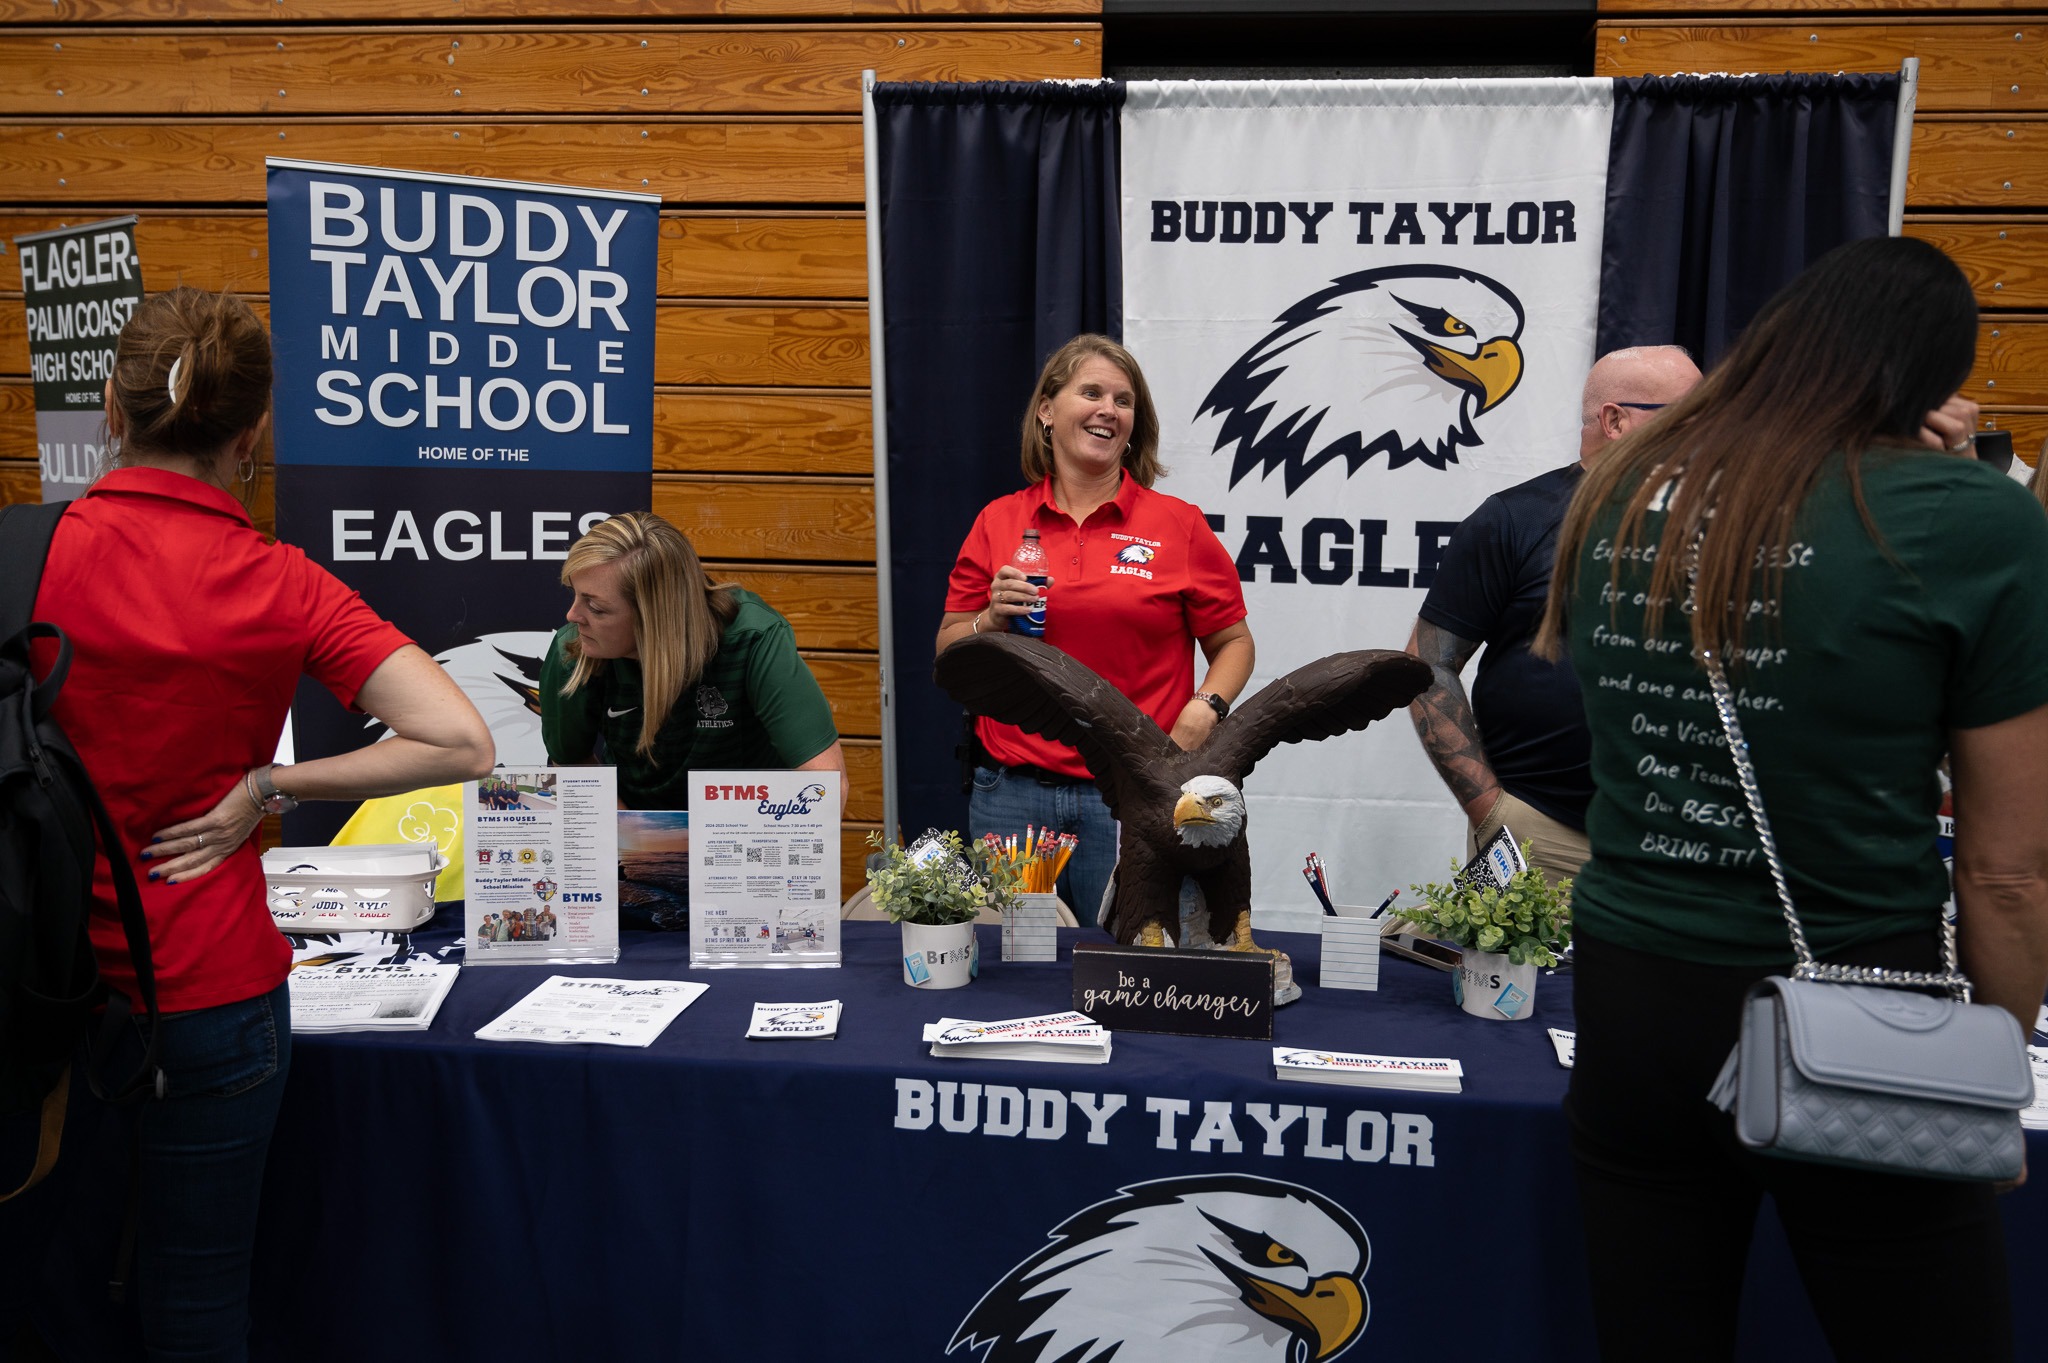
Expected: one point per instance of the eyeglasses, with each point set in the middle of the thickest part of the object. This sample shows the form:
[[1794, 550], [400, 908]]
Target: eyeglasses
[[1645, 406]]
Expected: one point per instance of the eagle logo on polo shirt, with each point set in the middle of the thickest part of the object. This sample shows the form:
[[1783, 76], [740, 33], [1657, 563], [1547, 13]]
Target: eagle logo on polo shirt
[[1220, 1266], [1397, 361], [1130, 560]]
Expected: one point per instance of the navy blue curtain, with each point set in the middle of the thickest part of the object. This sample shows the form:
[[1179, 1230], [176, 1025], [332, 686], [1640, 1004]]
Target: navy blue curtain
[[1721, 188], [999, 242]]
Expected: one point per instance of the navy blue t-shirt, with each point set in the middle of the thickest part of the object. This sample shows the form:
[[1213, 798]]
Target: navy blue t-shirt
[[1490, 588]]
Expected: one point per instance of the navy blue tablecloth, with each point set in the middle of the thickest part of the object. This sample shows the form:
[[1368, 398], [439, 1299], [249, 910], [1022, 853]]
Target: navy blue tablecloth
[[436, 1197]]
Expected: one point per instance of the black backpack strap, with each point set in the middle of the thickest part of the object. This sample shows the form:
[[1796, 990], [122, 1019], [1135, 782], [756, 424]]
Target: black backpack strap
[[147, 1080], [26, 529]]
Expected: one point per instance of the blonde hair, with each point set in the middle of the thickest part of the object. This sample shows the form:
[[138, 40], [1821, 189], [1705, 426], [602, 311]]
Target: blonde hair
[[1140, 457], [679, 615]]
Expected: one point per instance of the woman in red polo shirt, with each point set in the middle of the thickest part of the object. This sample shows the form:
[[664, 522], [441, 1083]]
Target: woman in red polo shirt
[[189, 633], [1137, 580]]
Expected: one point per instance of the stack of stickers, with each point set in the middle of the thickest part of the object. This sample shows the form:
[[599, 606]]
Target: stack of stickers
[[1060, 1038], [1371, 1071], [795, 1021]]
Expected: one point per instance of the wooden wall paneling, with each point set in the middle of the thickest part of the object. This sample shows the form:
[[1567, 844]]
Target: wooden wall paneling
[[761, 344], [82, 12], [762, 255], [853, 853], [852, 683], [17, 418], [631, 71], [20, 482], [2005, 259], [863, 784], [684, 159], [2012, 362], [1963, 162], [2029, 429], [1966, 65], [711, 430], [775, 519], [224, 249], [827, 608], [795, 254]]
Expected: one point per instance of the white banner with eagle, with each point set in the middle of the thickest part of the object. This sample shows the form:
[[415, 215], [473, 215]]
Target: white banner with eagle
[[1362, 308]]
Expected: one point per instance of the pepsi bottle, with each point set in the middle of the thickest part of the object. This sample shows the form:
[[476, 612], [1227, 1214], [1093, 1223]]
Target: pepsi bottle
[[1030, 561]]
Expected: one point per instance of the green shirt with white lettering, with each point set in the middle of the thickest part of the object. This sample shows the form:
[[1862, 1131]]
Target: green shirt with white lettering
[[755, 706], [1847, 687]]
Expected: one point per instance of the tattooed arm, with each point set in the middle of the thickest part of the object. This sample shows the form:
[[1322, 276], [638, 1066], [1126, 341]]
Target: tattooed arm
[[1445, 723]]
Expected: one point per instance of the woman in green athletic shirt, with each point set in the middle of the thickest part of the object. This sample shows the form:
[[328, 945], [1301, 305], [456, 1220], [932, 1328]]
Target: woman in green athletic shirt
[[658, 671], [1878, 603]]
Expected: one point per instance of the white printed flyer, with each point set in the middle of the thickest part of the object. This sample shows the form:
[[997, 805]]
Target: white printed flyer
[[764, 868], [569, 1010], [543, 845]]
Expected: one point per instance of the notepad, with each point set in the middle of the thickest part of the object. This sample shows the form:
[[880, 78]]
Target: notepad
[[1031, 924]]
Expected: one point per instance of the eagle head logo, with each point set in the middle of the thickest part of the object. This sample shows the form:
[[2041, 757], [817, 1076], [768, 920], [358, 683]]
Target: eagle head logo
[[1135, 553], [811, 794], [1209, 813], [1219, 1266], [1395, 361]]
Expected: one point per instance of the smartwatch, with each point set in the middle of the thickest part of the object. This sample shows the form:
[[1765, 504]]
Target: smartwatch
[[1214, 702], [275, 801]]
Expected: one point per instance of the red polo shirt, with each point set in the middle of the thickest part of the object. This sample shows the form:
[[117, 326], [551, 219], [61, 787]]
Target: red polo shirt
[[1132, 589], [188, 634]]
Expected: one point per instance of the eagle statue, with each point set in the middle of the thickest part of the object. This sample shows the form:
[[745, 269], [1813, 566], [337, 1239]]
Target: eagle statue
[[1394, 361], [1209, 1267], [1182, 813]]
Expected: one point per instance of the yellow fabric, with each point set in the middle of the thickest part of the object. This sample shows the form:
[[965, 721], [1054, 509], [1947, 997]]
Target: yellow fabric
[[430, 815]]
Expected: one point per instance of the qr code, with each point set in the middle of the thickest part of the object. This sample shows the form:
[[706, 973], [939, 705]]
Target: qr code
[[818, 848], [753, 854], [818, 893]]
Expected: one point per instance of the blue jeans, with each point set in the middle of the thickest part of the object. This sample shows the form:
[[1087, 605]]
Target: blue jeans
[[1002, 803], [202, 1149]]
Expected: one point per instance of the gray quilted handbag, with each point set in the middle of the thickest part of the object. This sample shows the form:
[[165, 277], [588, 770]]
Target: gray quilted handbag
[[1851, 1065]]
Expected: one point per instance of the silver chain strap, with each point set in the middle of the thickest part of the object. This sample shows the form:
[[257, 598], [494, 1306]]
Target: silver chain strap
[[1950, 978]]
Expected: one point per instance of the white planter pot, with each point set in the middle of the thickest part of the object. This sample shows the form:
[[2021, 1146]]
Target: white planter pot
[[1487, 986], [944, 956]]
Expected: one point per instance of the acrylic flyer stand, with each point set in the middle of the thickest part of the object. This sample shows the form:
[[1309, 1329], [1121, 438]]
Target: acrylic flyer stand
[[764, 868], [543, 845]]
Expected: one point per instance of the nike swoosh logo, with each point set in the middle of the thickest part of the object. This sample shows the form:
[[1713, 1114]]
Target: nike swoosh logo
[[614, 714]]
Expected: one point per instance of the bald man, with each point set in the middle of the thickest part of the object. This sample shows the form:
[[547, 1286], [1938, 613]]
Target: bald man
[[1516, 753]]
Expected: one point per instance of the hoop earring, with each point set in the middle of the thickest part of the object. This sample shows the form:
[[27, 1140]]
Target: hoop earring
[[245, 469], [1045, 433]]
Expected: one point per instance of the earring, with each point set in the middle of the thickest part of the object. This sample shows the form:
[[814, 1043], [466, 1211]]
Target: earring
[[245, 469], [1045, 433]]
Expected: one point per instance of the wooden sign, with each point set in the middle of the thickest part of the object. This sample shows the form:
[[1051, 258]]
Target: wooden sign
[[1184, 993]]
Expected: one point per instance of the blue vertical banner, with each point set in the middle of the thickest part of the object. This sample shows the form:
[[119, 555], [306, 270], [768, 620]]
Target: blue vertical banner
[[464, 385]]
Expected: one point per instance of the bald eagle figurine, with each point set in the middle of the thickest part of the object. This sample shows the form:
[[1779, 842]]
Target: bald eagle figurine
[[1183, 813]]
